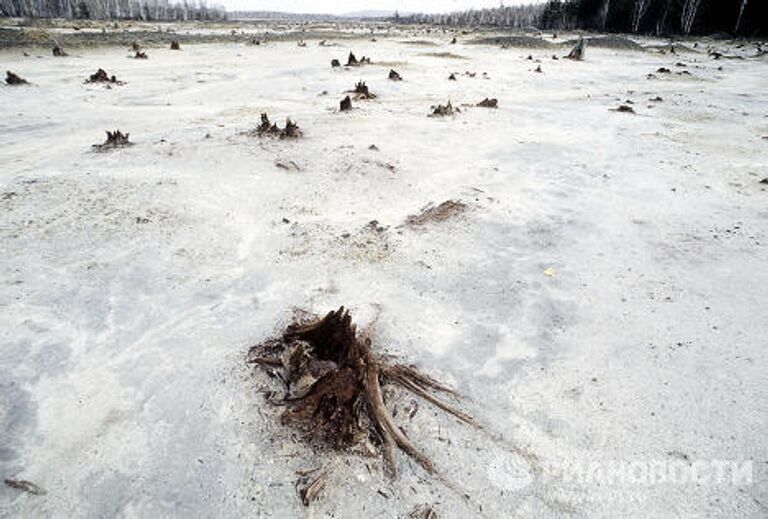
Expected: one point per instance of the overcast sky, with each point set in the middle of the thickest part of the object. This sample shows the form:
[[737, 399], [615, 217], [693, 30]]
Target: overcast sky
[[346, 6]]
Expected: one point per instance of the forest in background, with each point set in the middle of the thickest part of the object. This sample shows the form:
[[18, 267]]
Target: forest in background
[[149, 10], [659, 17]]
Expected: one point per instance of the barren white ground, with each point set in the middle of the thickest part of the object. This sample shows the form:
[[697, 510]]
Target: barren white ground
[[603, 299]]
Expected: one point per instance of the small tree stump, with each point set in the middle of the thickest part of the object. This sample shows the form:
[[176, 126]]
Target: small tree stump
[[115, 139], [444, 110], [140, 55], [346, 104], [452, 77], [14, 79], [175, 45], [394, 76], [58, 52], [101, 76], [352, 60], [335, 63]]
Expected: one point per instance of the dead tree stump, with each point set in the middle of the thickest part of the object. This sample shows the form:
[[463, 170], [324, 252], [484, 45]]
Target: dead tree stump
[[101, 76], [175, 45], [352, 60], [335, 63], [394, 76], [14, 79], [115, 139], [346, 104], [489, 103], [333, 388], [444, 110], [58, 52]]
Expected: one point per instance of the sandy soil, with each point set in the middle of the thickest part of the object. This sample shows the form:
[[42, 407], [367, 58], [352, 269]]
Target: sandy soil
[[602, 297]]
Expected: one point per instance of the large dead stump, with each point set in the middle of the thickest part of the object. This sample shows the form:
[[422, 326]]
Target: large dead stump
[[115, 139], [577, 53], [14, 79], [333, 387]]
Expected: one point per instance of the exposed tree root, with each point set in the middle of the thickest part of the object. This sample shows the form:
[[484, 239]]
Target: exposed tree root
[[333, 388]]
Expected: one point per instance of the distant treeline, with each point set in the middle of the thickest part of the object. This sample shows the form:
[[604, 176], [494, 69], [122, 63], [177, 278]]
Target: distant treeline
[[516, 17], [660, 17], [151, 10]]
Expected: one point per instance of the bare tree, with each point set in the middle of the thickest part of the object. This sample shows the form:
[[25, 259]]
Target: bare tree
[[688, 15], [741, 13], [604, 8], [641, 6]]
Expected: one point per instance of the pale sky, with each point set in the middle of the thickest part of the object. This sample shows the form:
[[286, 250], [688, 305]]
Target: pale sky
[[346, 6]]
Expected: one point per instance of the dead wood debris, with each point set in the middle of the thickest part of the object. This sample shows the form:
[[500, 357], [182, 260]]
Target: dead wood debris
[[439, 213], [310, 484], [115, 139], [333, 388], [444, 110], [489, 103], [175, 45], [14, 79], [424, 511], [101, 76], [269, 129], [577, 53], [346, 104], [394, 76], [58, 52], [25, 486]]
